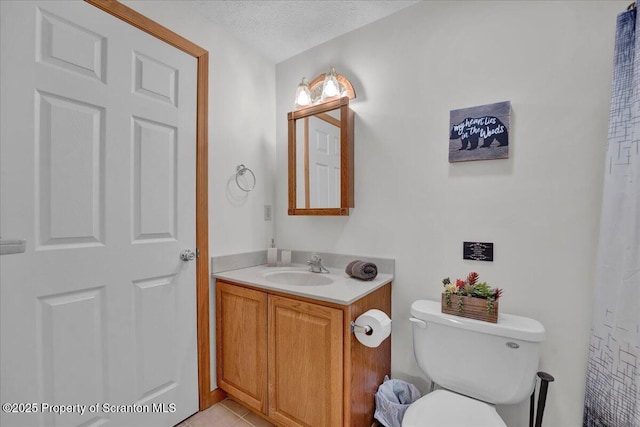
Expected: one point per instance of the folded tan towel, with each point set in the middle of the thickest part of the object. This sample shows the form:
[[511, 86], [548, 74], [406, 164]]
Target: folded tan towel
[[362, 270], [349, 267]]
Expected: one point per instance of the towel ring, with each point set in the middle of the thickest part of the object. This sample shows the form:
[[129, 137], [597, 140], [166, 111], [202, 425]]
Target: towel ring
[[240, 171]]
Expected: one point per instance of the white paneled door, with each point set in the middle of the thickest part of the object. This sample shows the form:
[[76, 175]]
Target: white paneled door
[[324, 163], [98, 315]]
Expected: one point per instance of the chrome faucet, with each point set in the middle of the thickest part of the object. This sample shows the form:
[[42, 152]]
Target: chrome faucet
[[315, 264]]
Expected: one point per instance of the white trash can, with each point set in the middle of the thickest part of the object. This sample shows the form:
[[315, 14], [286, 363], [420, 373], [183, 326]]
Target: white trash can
[[393, 398]]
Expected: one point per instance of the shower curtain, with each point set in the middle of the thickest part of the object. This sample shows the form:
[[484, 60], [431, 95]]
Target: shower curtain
[[613, 370]]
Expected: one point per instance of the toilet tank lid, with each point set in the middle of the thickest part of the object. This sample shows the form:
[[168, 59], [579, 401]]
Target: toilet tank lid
[[508, 326]]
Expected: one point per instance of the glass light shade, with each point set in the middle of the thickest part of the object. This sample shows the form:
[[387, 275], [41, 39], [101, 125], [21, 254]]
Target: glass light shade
[[330, 87], [303, 95]]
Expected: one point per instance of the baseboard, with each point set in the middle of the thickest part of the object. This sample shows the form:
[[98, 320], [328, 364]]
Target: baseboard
[[214, 397]]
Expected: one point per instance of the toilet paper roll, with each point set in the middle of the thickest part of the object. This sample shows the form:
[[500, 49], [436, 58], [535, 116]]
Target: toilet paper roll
[[380, 327]]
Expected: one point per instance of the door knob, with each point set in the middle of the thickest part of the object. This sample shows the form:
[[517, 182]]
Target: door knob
[[187, 255]]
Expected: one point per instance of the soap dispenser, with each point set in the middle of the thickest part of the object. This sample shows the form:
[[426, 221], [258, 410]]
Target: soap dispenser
[[272, 255]]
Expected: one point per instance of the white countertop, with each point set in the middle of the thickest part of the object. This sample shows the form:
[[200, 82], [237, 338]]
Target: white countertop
[[344, 290]]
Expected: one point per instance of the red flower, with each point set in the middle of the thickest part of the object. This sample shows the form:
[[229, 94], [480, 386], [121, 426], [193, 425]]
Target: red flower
[[497, 293], [460, 283], [472, 278]]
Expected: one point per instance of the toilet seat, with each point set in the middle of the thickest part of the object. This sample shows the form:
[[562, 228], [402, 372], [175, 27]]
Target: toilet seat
[[443, 408]]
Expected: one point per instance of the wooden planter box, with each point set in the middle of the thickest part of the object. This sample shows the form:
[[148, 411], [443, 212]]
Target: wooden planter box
[[473, 308]]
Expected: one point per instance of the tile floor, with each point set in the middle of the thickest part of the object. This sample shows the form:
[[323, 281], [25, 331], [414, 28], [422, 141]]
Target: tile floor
[[225, 414]]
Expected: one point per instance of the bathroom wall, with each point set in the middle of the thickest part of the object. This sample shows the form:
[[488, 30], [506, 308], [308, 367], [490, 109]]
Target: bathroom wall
[[241, 131], [541, 207]]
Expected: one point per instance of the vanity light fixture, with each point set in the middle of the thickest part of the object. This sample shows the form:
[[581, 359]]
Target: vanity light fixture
[[330, 87], [325, 87], [303, 94]]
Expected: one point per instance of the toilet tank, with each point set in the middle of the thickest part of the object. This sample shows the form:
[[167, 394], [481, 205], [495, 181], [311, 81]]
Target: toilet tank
[[492, 362]]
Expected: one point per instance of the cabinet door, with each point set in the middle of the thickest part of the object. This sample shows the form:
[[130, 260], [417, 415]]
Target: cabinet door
[[241, 345], [305, 363]]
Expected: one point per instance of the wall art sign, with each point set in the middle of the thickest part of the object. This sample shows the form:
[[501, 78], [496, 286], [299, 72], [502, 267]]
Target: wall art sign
[[480, 133], [477, 251]]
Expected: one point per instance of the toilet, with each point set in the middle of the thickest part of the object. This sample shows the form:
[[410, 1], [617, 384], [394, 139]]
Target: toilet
[[476, 365]]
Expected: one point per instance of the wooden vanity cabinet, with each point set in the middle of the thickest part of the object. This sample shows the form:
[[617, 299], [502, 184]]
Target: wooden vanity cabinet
[[241, 344], [305, 363], [294, 360]]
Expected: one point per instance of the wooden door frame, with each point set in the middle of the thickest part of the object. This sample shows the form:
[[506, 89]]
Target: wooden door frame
[[207, 397]]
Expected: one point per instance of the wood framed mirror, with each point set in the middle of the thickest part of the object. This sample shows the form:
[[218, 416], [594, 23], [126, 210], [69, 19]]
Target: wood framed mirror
[[321, 159]]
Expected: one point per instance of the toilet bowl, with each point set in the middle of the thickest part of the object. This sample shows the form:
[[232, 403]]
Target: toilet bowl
[[443, 408], [476, 365]]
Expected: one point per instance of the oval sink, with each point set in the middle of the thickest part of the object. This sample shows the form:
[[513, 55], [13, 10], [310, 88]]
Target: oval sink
[[298, 278]]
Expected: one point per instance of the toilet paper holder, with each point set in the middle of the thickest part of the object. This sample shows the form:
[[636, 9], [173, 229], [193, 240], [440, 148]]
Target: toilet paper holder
[[367, 330]]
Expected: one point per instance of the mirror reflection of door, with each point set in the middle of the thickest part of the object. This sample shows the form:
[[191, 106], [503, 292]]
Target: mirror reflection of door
[[320, 165]]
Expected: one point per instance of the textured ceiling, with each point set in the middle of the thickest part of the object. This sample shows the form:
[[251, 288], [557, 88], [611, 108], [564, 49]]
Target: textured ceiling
[[284, 28]]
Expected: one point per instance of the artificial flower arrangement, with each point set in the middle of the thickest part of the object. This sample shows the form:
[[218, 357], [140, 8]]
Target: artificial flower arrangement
[[473, 299]]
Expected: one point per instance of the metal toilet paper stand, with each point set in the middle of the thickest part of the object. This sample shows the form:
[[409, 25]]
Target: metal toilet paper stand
[[367, 330]]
